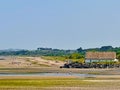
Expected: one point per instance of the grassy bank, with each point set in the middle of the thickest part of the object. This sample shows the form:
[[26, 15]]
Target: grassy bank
[[63, 70], [53, 83]]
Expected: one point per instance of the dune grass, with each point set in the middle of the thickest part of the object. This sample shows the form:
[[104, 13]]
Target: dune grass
[[54, 58], [62, 58]]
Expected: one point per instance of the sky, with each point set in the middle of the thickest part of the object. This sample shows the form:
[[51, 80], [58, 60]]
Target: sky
[[62, 24]]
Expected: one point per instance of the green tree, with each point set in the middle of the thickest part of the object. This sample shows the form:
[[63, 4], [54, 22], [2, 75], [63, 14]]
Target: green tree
[[76, 56]]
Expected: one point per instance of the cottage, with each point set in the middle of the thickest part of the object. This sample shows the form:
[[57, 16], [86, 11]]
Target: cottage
[[100, 57]]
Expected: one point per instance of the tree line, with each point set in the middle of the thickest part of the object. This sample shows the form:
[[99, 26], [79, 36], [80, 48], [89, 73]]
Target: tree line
[[78, 53]]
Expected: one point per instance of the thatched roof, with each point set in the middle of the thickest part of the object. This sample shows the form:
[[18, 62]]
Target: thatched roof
[[100, 55]]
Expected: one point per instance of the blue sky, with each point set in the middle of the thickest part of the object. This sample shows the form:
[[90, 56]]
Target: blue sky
[[63, 24]]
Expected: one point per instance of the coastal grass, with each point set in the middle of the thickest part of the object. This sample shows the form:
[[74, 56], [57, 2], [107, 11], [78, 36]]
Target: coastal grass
[[46, 82], [54, 58], [62, 58], [57, 83], [56, 70], [53, 82]]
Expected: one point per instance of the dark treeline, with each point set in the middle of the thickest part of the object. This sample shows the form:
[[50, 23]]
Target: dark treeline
[[102, 49], [57, 52], [38, 52]]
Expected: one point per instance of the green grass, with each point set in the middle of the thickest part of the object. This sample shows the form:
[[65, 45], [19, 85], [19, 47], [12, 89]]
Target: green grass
[[48, 82], [42, 83]]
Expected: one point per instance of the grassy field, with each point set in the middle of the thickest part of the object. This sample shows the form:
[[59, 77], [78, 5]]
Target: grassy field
[[58, 83]]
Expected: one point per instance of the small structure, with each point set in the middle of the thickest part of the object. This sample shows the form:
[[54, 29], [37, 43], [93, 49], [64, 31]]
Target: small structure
[[99, 57]]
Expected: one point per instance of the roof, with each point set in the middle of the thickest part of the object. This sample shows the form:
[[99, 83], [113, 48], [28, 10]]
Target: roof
[[100, 55]]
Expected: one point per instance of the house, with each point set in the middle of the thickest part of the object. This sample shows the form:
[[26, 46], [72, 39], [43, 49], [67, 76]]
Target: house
[[100, 57]]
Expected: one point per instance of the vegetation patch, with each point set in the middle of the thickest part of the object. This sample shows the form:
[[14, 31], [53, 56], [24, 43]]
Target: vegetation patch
[[44, 82]]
